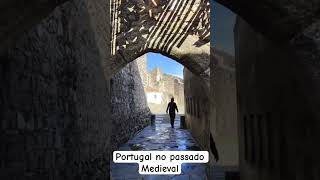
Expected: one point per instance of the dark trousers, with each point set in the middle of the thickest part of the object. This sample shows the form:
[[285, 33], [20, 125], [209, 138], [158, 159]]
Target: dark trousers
[[172, 117]]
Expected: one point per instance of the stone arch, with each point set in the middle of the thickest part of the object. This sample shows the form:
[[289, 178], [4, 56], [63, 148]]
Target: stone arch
[[294, 22], [278, 20], [177, 29], [196, 63]]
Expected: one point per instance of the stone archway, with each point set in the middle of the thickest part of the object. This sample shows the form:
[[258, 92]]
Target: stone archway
[[278, 20], [294, 23], [178, 29]]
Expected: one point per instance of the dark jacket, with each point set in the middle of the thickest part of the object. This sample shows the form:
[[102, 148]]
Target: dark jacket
[[172, 106]]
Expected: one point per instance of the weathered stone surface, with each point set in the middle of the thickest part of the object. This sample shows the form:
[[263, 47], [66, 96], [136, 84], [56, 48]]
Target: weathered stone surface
[[178, 29], [197, 106], [307, 50], [278, 95], [223, 113], [17, 17], [279, 20], [55, 120], [160, 137], [129, 109], [54, 97], [211, 111]]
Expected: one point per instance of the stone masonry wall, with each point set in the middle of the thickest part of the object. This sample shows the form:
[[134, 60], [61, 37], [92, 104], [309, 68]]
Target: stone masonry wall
[[211, 112], [130, 111], [142, 66], [223, 111], [277, 105], [197, 106], [178, 29], [55, 120]]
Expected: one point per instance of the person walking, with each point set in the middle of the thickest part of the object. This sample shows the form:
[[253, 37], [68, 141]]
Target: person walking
[[172, 107]]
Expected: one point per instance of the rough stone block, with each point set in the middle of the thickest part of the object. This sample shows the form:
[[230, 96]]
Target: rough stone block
[[21, 124]]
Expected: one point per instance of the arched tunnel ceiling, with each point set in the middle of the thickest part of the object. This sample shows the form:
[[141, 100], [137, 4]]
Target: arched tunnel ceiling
[[179, 29], [280, 20], [17, 16]]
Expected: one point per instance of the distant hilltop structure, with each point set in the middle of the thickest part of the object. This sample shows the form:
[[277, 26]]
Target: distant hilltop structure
[[160, 87]]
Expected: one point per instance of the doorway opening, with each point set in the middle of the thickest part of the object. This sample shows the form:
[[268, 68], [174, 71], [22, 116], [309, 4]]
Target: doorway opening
[[162, 79]]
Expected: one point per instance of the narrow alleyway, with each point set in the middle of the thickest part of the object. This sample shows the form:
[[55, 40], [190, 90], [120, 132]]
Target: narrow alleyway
[[160, 137]]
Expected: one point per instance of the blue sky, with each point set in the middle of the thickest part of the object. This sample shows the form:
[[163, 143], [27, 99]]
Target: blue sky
[[168, 65]]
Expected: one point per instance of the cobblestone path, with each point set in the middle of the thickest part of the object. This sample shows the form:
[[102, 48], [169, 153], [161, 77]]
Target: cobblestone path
[[160, 137]]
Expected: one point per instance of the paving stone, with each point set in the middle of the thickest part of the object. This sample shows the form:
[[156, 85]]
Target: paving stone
[[160, 137], [180, 177], [155, 177]]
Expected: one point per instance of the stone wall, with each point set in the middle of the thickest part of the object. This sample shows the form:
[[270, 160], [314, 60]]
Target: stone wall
[[211, 112], [278, 122], [130, 111], [19, 16], [142, 62], [197, 106], [279, 20], [178, 29], [223, 112], [54, 97]]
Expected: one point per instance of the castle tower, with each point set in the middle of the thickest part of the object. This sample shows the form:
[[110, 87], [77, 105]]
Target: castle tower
[[142, 66]]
